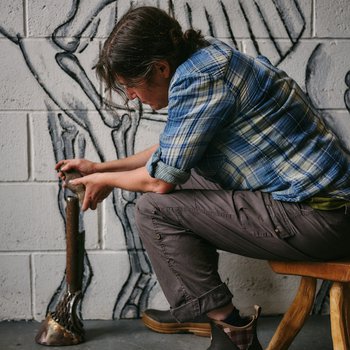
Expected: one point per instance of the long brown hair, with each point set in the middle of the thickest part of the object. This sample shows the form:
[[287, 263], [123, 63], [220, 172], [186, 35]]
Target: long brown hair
[[143, 36]]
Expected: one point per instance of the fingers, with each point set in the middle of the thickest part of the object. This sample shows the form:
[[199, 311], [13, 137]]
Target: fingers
[[66, 165], [62, 165], [76, 182], [88, 188], [67, 170], [77, 185], [86, 203], [89, 203], [59, 164], [93, 206]]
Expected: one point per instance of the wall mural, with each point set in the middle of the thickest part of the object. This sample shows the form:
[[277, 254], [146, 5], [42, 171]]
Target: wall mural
[[74, 127]]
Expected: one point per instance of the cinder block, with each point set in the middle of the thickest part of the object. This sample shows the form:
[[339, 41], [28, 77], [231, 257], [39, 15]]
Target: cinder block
[[19, 90], [43, 149], [11, 18], [276, 51], [252, 282], [56, 136], [148, 131], [92, 230], [110, 271], [44, 17], [53, 70], [31, 220], [88, 59], [48, 272], [112, 228], [157, 299], [75, 19], [246, 19], [327, 69], [332, 19], [15, 289], [13, 147], [296, 62], [124, 5]]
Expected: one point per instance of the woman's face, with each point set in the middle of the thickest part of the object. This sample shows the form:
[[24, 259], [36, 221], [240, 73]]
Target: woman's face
[[153, 93]]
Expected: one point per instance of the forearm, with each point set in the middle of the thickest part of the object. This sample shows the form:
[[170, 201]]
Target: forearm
[[136, 180], [133, 162], [100, 184]]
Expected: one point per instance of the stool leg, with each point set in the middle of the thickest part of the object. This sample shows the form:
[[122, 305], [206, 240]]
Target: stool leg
[[347, 308], [295, 317], [340, 315]]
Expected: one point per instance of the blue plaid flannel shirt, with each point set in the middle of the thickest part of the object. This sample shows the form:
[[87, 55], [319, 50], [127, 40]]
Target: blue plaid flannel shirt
[[246, 125]]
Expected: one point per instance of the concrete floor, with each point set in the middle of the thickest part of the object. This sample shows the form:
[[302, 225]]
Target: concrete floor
[[133, 335]]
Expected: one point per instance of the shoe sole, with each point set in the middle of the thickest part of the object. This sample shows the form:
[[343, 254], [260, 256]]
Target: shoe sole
[[200, 329]]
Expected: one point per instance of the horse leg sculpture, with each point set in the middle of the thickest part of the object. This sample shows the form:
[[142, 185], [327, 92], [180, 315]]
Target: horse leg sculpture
[[64, 326]]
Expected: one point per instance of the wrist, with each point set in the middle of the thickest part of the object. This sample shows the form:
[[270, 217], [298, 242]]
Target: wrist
[[96, 167]]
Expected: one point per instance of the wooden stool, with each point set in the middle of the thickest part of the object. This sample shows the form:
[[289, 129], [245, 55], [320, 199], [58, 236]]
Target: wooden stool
[[336, 271]]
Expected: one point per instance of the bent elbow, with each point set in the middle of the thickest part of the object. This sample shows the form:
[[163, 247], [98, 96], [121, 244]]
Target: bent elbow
[[163, 187]]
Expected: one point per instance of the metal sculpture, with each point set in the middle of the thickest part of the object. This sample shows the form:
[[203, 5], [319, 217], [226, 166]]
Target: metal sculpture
[[64, 326]]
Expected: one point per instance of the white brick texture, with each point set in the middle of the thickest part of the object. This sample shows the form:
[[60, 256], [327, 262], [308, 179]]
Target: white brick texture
[[30, 218], [50, 109], [332, 19], [110, 272], [15, 287], [251, 279], [48, 271], [13, 147], [11, 17]]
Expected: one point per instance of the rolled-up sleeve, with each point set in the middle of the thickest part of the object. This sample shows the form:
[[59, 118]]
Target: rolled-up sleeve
[[158, 169]]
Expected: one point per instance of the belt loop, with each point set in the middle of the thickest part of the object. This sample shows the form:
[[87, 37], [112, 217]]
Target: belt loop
[[346, 209]]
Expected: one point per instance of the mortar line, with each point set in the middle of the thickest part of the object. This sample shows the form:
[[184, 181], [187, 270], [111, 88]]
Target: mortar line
[[30, 157], [58, 252], [32, 284], [100, 224], [25, 18], [313, 18]]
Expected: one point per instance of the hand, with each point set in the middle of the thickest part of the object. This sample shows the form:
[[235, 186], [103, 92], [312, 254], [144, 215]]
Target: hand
[[83, 166], [96, 189]]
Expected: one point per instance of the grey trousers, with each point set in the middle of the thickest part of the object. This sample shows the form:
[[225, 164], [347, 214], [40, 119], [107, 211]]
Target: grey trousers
[[183, 230]]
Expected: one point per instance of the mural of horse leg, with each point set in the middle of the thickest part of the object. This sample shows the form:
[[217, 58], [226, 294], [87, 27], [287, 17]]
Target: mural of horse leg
[[134, 294]]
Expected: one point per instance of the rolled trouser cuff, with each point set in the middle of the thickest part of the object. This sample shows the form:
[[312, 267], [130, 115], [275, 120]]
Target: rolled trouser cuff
[[213, 299]]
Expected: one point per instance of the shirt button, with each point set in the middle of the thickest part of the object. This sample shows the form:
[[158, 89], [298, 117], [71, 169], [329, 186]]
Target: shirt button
[[277, 230], [158, 236]]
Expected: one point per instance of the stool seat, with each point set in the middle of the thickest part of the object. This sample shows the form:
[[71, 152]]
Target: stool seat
[[332, 271], [338, 272]]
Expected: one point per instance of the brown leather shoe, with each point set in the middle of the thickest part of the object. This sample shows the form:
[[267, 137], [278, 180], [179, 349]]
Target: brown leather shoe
[[163, 322], [228, 337]]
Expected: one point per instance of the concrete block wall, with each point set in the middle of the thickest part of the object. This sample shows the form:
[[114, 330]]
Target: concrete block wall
[[50, 108]]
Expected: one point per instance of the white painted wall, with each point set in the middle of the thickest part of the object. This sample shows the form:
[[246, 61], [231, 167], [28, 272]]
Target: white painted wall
[[39, 101]]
